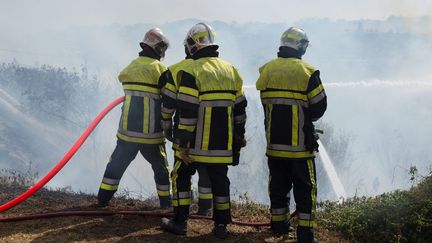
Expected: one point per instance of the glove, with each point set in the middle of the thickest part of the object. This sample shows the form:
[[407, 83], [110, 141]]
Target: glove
[[236, 158], [167, 130], [310, 137], [239, 142], [184, 155], [168, 135]]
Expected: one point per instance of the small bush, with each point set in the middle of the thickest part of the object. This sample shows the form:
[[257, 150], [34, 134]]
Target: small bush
[[399, 216], [16, 177]]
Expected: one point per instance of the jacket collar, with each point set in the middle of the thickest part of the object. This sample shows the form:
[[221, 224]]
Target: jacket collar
[[210, 51], [148, 52], [287, 52]]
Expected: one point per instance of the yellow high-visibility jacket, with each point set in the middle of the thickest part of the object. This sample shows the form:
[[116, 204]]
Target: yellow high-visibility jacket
[[140, 121], [211, 108], [292, 96]]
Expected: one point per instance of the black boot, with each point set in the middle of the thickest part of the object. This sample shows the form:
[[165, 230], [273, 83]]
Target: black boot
[[220, 231], [305, 235], [165, 202], [204, 211], [204, 206], [99, 205], [171, 226], [280, 228], [104, 197]]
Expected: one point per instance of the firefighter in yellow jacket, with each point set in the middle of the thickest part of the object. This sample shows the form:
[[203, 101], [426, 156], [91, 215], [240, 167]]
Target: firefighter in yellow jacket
[[210, 133], [293, 97], [170, 126], [140, 123]]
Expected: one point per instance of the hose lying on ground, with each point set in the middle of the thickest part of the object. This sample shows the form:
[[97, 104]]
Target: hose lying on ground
[[112, 213]]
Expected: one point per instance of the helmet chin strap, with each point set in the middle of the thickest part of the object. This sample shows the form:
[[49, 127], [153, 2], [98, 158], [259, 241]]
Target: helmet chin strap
[[161, 48], [194, 49], [303, 48]]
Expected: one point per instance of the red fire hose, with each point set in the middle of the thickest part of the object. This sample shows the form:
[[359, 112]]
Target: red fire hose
[[64, 161]]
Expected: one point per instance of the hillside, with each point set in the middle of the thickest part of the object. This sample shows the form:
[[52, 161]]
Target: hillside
[[121, 228]]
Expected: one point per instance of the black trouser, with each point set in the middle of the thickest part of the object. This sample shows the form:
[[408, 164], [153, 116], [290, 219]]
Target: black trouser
[[120, 159], [299, 175], [205, 195], [181, 184]]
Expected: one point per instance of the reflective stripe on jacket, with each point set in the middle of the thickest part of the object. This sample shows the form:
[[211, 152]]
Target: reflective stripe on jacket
[[140, 121], [286, 95]]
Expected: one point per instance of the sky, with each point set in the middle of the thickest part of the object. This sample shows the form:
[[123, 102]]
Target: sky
[[20, 15]]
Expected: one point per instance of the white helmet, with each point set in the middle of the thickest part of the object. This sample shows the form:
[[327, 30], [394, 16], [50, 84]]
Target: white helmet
[[295, 38], [156, 40], [199, 36]]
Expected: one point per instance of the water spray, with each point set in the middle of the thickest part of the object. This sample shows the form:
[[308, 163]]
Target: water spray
[[335, 181]]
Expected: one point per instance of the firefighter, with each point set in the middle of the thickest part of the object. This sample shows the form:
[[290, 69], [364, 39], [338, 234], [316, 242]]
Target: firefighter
[[140, 123], [293, 97], [169, 105], [211, 129]]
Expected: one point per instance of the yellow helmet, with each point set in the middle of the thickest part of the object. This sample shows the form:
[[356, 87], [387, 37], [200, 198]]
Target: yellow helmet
[[155, 39], [295, 38], [199, 36]]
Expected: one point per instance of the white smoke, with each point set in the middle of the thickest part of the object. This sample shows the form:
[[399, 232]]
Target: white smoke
[[388, 117], [380, 83]]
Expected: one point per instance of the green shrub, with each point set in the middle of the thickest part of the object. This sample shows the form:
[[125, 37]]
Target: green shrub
[[399, 216]]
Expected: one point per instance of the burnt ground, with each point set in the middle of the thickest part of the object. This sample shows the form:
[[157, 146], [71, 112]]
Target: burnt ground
[[123, 228]]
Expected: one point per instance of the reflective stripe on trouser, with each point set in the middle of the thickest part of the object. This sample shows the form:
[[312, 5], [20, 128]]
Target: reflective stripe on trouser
[[109, 184], [107, 189], [306, 212], [205, 195], [182, 198], [299, 175], [120, 159], [181, 184], [164, 195], [279, 214]]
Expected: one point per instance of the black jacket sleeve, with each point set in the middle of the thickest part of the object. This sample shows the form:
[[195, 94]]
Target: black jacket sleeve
[[169, 100], [187, 105], [317, 97]]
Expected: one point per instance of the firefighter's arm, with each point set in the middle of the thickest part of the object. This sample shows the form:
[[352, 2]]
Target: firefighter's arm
[[239, 126], [169, 102], [261, 83], [316, 96], [187, 105], [239, 120]]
